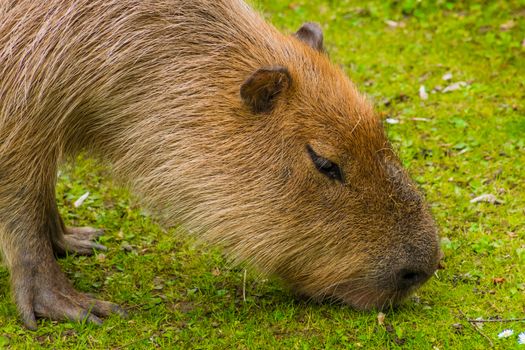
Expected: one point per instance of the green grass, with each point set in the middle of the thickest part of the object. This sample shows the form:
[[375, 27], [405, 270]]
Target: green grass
[[181, 294]]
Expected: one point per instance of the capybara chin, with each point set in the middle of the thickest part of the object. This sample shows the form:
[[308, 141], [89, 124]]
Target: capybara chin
[[247, 136]]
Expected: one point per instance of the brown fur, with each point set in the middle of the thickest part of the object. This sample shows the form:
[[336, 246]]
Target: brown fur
[[153, 87]]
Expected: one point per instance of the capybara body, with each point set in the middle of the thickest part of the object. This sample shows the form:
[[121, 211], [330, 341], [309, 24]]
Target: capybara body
[[249, 137]]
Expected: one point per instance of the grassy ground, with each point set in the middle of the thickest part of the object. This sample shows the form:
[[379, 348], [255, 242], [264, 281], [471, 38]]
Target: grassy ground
[[458, 145]]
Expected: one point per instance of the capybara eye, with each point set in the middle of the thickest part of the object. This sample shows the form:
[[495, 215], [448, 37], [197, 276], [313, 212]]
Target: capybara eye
[[325, 166]]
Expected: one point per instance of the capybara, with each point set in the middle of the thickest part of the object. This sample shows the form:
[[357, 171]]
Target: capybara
[[248, 137]]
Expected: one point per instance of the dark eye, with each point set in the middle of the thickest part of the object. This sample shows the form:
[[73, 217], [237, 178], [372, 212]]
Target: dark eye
[[325, 166]]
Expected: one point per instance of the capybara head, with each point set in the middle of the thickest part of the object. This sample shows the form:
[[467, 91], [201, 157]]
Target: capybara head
[[320, 198]]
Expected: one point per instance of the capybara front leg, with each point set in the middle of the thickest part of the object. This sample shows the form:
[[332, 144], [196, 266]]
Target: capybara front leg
[[41, 290], [28, 229]]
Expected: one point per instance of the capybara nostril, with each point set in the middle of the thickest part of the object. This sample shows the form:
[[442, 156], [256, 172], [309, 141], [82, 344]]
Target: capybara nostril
[[408, 278]]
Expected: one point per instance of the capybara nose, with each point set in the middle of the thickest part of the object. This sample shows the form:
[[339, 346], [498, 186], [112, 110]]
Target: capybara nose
[[408, 278]]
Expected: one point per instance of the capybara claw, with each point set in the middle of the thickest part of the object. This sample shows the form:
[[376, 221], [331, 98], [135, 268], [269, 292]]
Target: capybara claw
[[75, 307], [48, 294], [117, 309], [71, 244], [29, 321], [80, 240], [90, 318]]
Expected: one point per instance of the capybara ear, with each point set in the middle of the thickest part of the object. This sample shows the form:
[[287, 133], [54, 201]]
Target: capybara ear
[[312, 35], [261, 89]]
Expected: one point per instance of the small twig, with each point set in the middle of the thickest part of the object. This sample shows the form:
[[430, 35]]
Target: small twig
[[476, 328], [496, 320], [244, 287]]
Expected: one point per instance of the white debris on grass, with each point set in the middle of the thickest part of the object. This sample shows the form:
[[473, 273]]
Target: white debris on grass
[[423, 93], [521, 338], [447, 77], [487, 198], [506, 333], [455, 86], [507, 25], [391, 121], [81, 200], [394, 24], [381, 318]]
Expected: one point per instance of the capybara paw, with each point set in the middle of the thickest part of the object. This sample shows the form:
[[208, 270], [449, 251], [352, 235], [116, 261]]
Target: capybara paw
[[85, 233], [61, 303], [80, 240]]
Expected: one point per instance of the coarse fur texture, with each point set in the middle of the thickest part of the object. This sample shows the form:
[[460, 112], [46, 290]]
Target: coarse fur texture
[[208, 113]]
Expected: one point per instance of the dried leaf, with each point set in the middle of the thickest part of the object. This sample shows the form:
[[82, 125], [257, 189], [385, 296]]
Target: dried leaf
[[498, 280], [381, 318], [507, 25], [487, 198], [81, 200]]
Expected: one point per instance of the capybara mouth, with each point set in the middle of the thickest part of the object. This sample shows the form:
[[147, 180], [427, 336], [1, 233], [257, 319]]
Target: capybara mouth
[[382, 295], [363, 300], [374, 299], [382, 300]]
